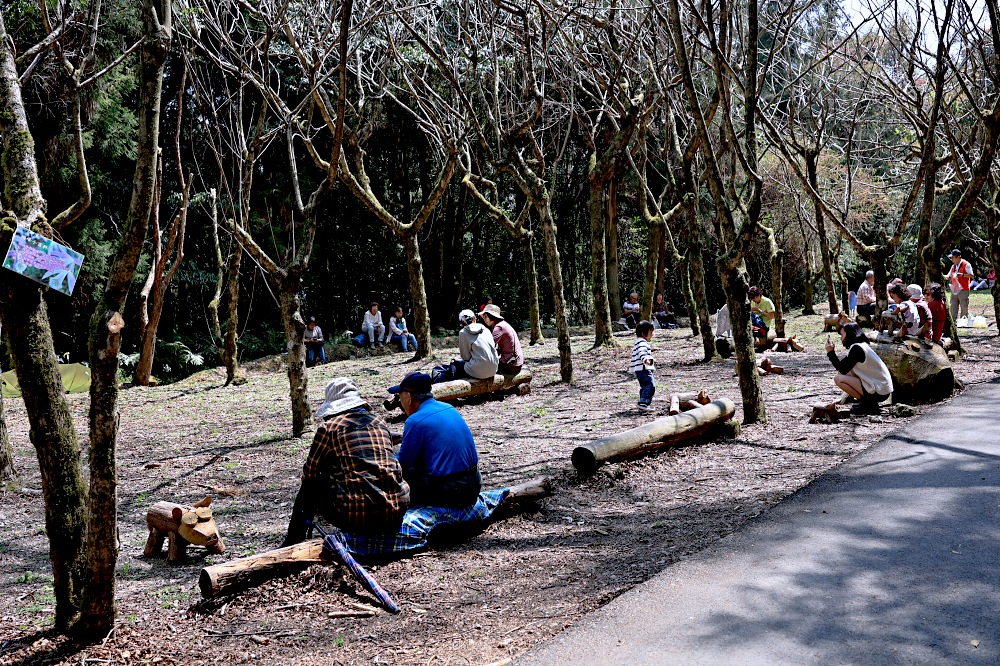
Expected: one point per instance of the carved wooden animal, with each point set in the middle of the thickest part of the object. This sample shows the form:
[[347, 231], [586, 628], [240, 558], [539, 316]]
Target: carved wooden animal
[[825, 413], [181, 526], [833, 322]]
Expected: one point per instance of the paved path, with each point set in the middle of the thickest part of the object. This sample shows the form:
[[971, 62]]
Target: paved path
[[892, 558]]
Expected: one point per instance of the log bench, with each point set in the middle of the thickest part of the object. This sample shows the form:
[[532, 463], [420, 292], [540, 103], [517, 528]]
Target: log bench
[[466, 388]]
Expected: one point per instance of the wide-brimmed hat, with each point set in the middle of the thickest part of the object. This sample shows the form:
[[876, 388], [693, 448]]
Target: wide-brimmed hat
[[916, 291], [341, 395], [493, 311], [413, 382], [466, 317]]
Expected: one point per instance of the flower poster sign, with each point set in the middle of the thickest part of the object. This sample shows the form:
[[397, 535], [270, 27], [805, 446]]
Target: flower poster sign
[[43, 260]]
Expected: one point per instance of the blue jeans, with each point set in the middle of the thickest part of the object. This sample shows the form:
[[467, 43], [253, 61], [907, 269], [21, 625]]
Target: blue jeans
[[369, 330], [314, 349], [647, 386], [402, 341]]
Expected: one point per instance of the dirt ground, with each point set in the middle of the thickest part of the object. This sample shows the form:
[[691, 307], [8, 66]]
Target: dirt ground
[[480, 602]]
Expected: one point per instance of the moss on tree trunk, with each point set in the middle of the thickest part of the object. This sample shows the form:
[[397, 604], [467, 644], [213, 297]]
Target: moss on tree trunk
[[598, 260], [531, 277], [418, 294], [555, 275], [295, 326]]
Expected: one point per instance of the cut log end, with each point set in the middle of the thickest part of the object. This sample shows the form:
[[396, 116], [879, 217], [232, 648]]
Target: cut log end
[[825, 413]]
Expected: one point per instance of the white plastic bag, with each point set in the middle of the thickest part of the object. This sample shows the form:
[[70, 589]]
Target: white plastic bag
[[963, 322], [979, 322]]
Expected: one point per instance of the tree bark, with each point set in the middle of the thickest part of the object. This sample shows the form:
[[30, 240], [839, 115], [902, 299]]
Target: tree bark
[[735, 286], [29, 338], [811, 157], [598, 258], [777, 291], [656, 234], [531, 277], [230, 352], [558, 299], [807, 295], [684, 268], [418, 294], [98, 607], [295, 326], [696, 269], [7, 470], [613, 263], [992, 214]]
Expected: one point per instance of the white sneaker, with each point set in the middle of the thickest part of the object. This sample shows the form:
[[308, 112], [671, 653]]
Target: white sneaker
[[645, 408]]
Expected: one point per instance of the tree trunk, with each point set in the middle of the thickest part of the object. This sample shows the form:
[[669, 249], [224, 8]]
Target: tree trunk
[[291, 315], [98, 608], [746, 360], [661, 266], [824, 242], [684, 268], [696, 269], [418, 294], [993, 224], [926, 217], [598, 258], [7, 470], [656, 233], [777, 291], [147, 345], [613, 267], [29, 339], [558, 298], [807, 296], [531, 277], [230, 352]]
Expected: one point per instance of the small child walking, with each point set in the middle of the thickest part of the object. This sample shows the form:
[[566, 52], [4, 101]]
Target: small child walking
[[642, 364]]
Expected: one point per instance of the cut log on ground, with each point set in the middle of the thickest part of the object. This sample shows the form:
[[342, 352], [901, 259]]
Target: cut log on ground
[[825, 413], [833, 322], [661, 433], [921, 371], [675, 405], [688, 405], [249, 571], [700, 397], [771, 368], [466, 388]]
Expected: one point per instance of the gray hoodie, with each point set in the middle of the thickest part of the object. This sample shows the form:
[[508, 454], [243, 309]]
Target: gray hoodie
[[475, 344]]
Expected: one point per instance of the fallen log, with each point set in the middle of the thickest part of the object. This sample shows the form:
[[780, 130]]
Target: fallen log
[[662, 432], [249, 571], [921, 371], [466, 388], [255, 569], [701, 397], [688, 405], [675, 405]]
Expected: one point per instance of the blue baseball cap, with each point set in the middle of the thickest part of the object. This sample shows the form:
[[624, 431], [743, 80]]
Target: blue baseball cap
[[414, 382]]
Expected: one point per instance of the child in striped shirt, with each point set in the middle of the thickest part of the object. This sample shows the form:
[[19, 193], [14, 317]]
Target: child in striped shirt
[[642, 365]]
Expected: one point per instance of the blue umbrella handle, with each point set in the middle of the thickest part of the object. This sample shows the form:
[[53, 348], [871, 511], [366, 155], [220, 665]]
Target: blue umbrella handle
[[335, 545]]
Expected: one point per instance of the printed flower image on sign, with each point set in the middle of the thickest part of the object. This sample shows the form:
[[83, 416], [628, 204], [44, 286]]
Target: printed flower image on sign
[[43, 260]]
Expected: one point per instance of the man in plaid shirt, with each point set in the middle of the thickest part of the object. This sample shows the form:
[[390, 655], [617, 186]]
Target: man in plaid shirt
[[351, 476]]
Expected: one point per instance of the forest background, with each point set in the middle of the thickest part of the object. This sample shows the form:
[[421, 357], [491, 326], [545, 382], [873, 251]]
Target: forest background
[[254, 164]]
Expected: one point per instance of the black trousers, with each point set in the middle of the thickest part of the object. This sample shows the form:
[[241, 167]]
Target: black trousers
[[453, 490]]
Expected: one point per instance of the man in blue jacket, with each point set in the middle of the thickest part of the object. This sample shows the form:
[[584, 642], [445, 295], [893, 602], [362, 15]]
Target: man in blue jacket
[[438, 453]]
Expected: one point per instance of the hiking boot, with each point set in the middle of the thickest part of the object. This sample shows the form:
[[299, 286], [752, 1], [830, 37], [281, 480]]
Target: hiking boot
[[645, 408]]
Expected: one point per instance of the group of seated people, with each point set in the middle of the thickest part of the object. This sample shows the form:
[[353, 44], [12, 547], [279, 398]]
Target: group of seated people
[[914, 310], [661, 313], [358, 482], [375, 334]]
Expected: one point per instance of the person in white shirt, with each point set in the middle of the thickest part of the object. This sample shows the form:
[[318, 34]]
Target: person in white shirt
[[866, 298], [372, 326], [399, 333], [631, 310]]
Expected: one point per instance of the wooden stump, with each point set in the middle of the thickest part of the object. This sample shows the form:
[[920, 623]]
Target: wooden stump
[[825, 413], [249, 571], [662, 432], [921, 371], [181, 526]]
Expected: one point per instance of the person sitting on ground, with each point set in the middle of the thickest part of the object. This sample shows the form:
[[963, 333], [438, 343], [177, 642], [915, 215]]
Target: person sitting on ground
[[861, 374], [313, 339], [631, 310], [922, 314], [900, 314], [399, 333], [511, 358], [438, 453], [641, 363], [661, 311], [934, 295], [866, 305], [351, 476], [761, 312], [372, 325]]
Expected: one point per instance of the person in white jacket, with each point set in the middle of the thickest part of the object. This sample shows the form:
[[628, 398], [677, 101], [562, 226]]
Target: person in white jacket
[[477, 348], [372, 325]]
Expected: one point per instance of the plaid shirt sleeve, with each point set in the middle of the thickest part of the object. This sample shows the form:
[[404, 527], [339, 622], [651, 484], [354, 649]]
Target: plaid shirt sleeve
[[352, 457]]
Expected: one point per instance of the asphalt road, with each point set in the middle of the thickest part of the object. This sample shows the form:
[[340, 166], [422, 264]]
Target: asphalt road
[[891, 558]]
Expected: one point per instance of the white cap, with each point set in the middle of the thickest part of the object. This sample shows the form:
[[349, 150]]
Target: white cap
[[466, 317]]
